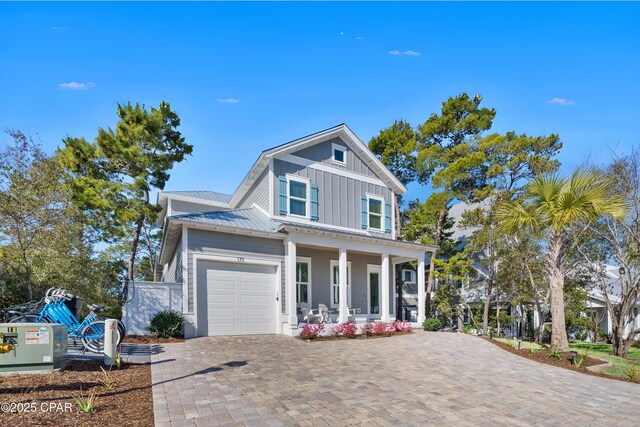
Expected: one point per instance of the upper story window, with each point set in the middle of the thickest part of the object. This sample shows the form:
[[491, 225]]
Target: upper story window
[[376, 212], [408, 276], [298, 196], [339, 155]]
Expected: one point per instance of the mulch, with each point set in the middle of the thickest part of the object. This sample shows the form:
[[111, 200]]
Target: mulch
[[149, 339], [48, 399], [565, 362]]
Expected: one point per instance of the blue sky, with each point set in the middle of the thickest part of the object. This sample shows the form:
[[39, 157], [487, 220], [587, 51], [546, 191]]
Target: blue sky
[[247, 76]]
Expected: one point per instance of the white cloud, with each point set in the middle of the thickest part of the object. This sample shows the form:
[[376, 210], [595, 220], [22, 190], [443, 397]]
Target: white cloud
[[76, 85], [406, 52], [561, 101], [58, 28], [342, 33], [359, 38], [228, 100]]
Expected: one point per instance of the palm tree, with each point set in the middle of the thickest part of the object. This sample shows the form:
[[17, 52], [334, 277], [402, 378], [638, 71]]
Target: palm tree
[[552, 206]]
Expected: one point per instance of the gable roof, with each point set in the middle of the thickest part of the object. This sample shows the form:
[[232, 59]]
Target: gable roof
[[344, 133]]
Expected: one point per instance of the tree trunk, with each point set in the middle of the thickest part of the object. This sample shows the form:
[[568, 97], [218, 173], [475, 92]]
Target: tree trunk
[[487, 302], [134, 247], [540, 322], [555, 267], [617, 341], [498, 319], [442, 217], [398, 222]]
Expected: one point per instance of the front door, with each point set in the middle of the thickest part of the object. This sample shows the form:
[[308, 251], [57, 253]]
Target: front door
[[374, 291]]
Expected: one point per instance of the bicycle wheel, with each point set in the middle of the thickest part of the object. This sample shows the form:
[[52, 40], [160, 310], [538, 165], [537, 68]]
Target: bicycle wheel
[[92, 336], [25, 318]]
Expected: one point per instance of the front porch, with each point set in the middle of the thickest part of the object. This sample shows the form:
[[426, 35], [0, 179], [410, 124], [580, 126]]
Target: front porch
[[354, 278]]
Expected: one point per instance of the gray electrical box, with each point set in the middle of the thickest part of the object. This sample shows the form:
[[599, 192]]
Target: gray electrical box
[[32, 346]]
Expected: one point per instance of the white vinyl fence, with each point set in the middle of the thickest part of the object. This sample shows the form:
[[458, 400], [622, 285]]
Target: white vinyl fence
[[145, 299]]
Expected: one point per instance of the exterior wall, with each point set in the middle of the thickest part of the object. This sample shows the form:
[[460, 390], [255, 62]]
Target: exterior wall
[[338, 196], [321, 277], [174, 268], [259, 194], [179, 207], [203, 241], [323, 153], [145, 300]]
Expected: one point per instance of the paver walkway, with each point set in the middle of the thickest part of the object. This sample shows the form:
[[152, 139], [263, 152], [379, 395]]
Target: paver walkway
[[418, 379]]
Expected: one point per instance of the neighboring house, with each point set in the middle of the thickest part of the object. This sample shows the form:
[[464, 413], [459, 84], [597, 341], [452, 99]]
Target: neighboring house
[[311, 223]]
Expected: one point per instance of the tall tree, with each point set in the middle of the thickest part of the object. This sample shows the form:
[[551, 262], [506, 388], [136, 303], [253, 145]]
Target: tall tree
[[445, 152], [505, 163], [112, 177], [552, 207], [395, 146], [617, 241]]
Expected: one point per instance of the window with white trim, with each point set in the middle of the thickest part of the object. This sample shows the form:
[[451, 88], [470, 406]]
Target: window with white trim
[[303, 280], [298, 196], [408, 276], [335, 283], [339, 154], [375, 207]]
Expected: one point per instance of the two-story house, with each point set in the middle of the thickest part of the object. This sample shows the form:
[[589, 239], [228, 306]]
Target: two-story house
[[311, 223]]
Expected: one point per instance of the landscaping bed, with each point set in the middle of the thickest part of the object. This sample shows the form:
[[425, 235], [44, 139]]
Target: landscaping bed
[[543, 356], [48, 399], [150, 339], [350, 330]]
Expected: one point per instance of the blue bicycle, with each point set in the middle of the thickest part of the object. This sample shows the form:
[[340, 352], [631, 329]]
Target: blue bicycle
[[90, 331]]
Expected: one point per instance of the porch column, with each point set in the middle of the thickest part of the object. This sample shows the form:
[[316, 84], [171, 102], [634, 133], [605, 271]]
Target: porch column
[[290, 297], [421, 291], [342, 272], [384, 295]]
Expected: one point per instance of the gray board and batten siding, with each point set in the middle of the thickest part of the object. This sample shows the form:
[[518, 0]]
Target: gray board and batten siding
[[323, 152], [174, 269], [203, 242], [181, 207], [339, 197]]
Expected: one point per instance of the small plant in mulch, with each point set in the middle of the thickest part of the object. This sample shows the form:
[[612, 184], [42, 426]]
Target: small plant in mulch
[[106, 380], [346, 329], [535, 350], [580, 358], [555, 354], [632, 372], [311, 331], [118, 360], [85, 404]]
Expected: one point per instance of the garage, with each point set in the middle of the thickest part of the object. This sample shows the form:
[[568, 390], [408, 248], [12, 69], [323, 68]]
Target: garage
[[240, 299]]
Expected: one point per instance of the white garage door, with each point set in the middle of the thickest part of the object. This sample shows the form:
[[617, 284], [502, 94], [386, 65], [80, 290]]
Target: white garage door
[[241, 298]]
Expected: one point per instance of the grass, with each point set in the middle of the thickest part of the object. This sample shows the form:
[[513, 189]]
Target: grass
[[514, 343], [604, 352]]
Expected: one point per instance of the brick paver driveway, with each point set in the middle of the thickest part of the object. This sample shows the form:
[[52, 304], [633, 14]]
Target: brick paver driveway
[[418, 379]]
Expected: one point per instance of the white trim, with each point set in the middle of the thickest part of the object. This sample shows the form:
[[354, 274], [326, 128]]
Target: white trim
[[382, 212], [336, 263], [413, 276], [393, 215], [252, 259], [185, 269], [374, 268], [260, 208], [338, 147], [307, 202], [290, 158], [307, 260], [386, 282], [271, 188], [301, 220]]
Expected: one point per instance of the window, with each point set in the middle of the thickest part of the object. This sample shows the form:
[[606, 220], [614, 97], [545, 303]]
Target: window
[[298, 196], [335, 284], [302, 282], [408, 276], [376, 213], [339, 154]]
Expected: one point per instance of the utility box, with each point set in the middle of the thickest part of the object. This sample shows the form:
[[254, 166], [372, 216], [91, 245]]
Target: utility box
[[32, 346]]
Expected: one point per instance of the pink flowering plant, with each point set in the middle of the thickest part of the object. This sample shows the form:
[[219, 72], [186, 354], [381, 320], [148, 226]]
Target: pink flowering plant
[[401, 326], [347, 329], [379, 328], [311, 331]]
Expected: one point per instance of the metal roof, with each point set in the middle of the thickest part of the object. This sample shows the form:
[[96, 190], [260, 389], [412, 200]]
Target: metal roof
[[213, 196], [246, 219]]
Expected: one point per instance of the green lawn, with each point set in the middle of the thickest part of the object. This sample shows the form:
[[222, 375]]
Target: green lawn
[[514, 343], [603, 351]]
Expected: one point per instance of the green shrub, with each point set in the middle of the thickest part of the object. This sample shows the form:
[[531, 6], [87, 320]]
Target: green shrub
[[534, 350], [166, 324], [432, 324], [632, 372], [555, 354]]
